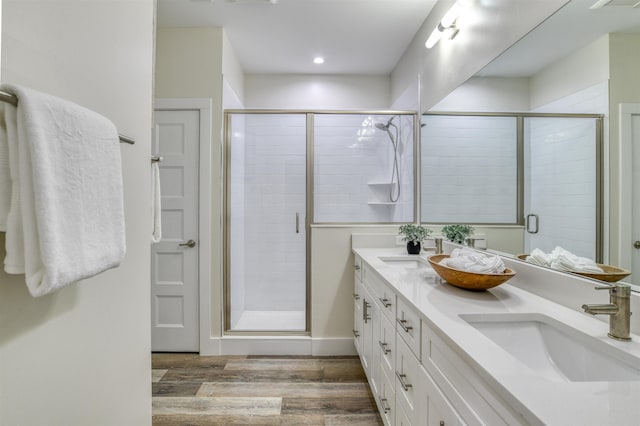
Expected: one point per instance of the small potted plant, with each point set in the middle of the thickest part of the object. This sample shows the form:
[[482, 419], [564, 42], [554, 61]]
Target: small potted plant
[[457, 233], [414, 235]]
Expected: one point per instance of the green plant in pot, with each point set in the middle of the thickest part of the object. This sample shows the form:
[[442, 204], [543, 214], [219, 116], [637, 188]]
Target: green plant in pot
[[457, 233], [414, 235]]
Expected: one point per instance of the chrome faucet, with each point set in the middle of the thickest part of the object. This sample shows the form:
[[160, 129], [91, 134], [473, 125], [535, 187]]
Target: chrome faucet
[[618, 309]]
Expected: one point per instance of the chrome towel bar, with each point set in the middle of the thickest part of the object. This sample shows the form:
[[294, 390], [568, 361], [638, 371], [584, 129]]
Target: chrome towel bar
[[13, 100]]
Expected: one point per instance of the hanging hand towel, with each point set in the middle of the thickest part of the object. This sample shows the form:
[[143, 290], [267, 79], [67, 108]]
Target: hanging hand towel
[[156, 207], [66, 218], [5, 178]]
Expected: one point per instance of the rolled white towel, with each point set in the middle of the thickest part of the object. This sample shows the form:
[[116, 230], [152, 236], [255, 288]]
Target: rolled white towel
[[563, 260], [540, 258], [465, 259]]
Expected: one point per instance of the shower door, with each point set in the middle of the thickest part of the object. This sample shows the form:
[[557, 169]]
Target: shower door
[[266, 236], [561, 184]]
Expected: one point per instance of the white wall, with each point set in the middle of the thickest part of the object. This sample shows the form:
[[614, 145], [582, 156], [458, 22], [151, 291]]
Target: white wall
[[488, 94], [232, 71], [573, 73], [317, 91], [82, 355]]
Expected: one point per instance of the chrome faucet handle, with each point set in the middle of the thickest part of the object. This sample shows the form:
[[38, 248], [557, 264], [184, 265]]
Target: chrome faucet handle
[[621, 290]]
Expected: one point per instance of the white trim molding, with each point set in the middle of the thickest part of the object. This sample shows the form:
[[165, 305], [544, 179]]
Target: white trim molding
[[278, 345], [625, 212]]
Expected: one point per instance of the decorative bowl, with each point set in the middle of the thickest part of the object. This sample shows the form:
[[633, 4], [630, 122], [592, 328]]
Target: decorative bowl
[[610, 274], [468, 280]]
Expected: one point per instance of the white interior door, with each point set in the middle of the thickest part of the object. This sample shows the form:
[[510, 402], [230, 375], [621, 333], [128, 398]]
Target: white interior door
[[174, 260]]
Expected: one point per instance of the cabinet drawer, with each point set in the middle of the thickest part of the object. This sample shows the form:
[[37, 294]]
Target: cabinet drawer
[[357, 267], [357, 326], [387, 347], [384, 296], [408, 386], [408, 327], [439, 410], [386, 400], [473, 399], [401, 418]]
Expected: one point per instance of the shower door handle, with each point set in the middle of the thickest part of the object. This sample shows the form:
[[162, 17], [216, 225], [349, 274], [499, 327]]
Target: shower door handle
[[528, 223], [297, 223]]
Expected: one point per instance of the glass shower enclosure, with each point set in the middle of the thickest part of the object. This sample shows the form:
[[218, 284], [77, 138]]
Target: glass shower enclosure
[[288, 170]]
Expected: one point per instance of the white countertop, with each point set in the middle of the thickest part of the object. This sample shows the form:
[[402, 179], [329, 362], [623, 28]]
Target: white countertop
[[538, 399]]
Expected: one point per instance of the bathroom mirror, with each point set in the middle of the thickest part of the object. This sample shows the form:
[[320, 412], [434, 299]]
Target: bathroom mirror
[[563, 66]]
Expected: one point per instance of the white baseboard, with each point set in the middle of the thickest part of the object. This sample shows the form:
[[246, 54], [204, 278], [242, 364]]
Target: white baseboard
[[333, 347], [277, 345]]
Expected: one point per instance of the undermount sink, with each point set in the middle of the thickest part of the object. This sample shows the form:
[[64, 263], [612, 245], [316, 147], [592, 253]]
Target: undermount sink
[[554, 350], [406, 262]]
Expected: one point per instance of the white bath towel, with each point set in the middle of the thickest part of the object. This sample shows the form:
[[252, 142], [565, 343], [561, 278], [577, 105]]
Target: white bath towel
[[156, 206], [66, 218], [5, 177], [469, 260], [563, 260]]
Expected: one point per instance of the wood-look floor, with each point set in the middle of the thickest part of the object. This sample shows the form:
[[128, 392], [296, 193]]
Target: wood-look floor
[[260, 390]]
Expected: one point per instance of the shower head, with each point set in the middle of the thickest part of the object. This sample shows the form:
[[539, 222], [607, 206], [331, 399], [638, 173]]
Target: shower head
[[385, 127]]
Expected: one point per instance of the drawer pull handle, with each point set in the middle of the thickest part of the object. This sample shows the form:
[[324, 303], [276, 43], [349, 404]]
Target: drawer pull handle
[[404, 385], [403, 324], [356, 296], [384, 405], [357, 267], [383, 346], [385, 302], [356, 334], [365, 311]]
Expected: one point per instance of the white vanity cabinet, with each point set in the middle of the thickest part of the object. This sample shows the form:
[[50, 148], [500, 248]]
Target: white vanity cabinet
[[415, 377]]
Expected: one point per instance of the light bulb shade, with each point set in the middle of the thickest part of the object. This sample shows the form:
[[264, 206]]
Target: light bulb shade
[[433, 38], [450, 17]]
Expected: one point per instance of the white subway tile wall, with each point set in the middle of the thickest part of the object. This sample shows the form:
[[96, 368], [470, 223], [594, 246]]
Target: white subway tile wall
[[469, 169], [353, 164]]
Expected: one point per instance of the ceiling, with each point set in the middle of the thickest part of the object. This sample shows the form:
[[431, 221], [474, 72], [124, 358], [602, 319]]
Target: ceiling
[[354, 36], [370, 36]]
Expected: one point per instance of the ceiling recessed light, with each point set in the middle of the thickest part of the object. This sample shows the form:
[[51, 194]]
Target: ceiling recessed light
[[318, 60]]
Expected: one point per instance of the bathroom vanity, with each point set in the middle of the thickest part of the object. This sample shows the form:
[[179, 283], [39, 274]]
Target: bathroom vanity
[[438, 355]]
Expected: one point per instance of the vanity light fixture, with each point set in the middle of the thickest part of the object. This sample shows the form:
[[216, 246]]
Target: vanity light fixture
[[318, 60], [447, 25]]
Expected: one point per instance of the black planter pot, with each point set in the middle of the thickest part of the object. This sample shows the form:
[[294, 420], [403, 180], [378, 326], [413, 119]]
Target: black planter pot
[[413, 248]]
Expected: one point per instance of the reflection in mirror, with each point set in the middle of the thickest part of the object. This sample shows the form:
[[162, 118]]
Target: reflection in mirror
[[556, 70], [540, 171]]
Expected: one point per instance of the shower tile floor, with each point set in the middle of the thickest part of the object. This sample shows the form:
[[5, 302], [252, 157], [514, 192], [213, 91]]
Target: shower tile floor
[[271, 321], [260, 390]]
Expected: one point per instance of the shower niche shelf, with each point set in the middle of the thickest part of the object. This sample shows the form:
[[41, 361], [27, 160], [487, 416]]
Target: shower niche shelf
[[379, 194]]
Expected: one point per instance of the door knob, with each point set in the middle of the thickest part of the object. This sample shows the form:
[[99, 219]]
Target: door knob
[[190, 244], [636, 244]]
